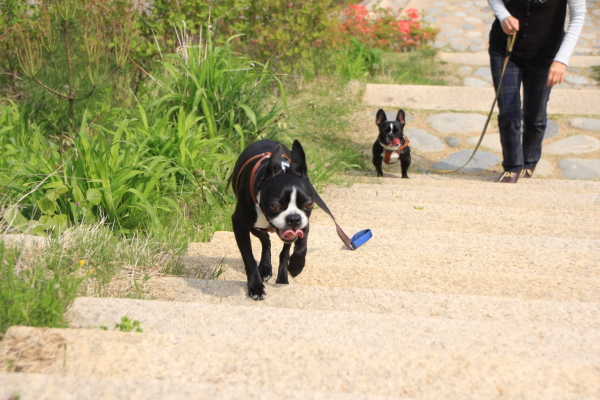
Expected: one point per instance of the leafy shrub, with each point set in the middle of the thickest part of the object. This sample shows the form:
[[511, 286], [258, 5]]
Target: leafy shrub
[[383, 29], [357, 61]]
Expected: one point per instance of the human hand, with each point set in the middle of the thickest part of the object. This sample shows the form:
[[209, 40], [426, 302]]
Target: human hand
[[557, 73], [509, 25]]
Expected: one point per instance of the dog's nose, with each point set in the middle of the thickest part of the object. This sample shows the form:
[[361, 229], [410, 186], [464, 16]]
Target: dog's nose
[[293, 220]]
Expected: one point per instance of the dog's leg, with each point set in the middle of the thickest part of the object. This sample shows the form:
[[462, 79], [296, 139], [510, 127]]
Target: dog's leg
[[256, 288], [284, 257], [298, 258], [405, 162], [377, 158], [264, 267]]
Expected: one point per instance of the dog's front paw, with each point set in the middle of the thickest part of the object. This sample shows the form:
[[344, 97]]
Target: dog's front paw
[[296, 264], [257, 290], [266, 272]]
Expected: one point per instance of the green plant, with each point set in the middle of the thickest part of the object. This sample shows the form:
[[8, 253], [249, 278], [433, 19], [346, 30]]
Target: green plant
[[128, 325], [32, 292], [72, 49], [415, 68], [357, 61]]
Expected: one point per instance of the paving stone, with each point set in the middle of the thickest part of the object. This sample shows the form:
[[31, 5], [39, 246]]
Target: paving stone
[[551, 129], [576, 79], [473, 20], [588, 124], [439, 44], [474, 82], [444, 14], [452, 141], [460, 14], [596, 12], [481, 3], [473, 34], [475, 48], [466, 4], [454, 39], [490, 141], [588, 36], [571, 69], [577, 168], [466, 70], [468, 27], [484, 15], [459, 46], [483, 72], [470, 11], [562, 86], [449, 123], [433, 11], [543, 169], [453, 32], [430, 19], [480, 161], [475, 40], [440, 4], [582, 42], [423, 141], [489, 20], [573, 145]]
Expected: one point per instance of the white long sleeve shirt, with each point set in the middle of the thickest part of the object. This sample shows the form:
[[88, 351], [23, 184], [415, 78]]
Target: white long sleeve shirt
[[577, 11]]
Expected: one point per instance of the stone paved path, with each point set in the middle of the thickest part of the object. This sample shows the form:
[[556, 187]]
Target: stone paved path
[[464, 27]]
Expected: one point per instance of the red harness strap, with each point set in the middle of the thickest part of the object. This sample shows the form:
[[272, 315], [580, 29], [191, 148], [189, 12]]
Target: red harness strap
[[261, 157], [387, 155]]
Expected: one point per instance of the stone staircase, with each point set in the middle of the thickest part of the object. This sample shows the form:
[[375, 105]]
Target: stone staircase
[[468, 290]]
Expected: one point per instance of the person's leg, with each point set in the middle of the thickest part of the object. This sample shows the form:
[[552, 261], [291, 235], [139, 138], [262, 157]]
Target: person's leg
[[509, 104], [535, 98]]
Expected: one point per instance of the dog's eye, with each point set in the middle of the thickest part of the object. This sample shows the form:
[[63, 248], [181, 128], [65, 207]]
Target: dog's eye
[[308, 206], [274, 207]]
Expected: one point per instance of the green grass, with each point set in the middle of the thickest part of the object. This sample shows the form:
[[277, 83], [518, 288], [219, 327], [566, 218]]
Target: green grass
[[412, 68]]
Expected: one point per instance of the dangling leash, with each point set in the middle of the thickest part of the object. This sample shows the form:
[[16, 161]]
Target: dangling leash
[[353, 243], [509, 48]]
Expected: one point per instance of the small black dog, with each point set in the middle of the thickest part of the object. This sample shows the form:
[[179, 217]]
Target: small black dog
[[273, 195], [391, 144]]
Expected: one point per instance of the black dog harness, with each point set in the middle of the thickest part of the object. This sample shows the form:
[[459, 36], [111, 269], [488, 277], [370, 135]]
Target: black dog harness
[[388, 158]]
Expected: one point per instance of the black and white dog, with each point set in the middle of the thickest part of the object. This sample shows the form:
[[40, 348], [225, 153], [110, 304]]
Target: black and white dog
[[273, 195], [391, 144]]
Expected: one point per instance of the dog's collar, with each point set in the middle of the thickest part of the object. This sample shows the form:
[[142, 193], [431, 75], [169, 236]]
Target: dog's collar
[[396, 148], [261, 157]]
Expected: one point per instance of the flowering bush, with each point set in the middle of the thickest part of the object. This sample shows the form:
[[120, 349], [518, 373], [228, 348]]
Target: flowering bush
[[382, 29]]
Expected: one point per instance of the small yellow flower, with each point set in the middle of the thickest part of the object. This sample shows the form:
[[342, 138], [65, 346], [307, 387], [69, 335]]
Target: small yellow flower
[[81, 262]]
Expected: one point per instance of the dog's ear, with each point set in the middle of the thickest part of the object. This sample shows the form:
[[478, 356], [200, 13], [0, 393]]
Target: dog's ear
[[380, 117], [400, 117], [274, 168], [298, 159]]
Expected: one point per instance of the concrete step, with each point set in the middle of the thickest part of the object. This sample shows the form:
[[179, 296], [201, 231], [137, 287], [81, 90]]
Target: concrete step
[[438, 262], [323, 367], [459, 181], [444, 306], [461, 98], [356, 329], [489, 195], [55, 387], [460, 218]]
